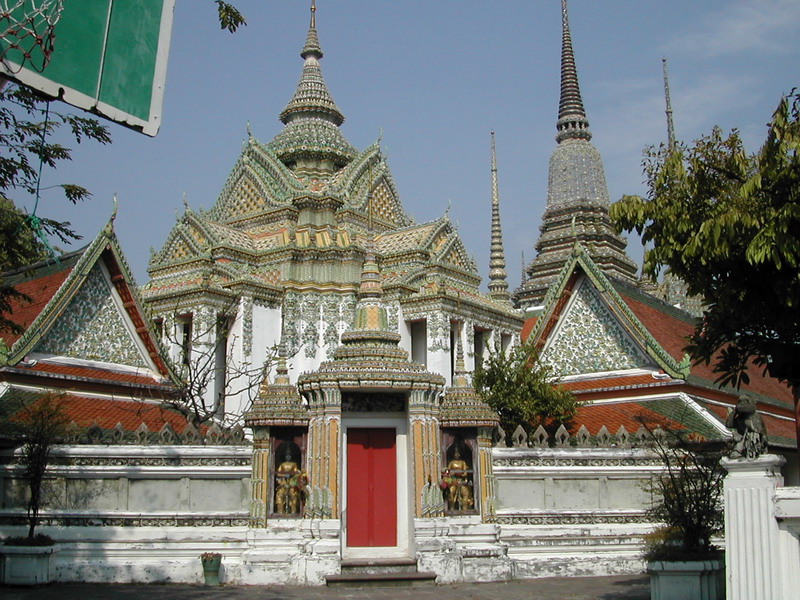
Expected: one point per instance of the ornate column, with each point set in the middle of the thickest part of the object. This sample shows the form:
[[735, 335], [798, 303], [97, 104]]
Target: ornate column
[[752, 560], [425, 444], [486, 473], [324, 435], [259, 479]]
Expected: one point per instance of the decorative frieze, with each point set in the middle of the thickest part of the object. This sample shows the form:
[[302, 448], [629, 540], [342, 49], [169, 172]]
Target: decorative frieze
[[566, 518], [137, 520]]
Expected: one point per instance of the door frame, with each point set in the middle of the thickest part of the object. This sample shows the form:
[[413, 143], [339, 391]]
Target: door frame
[[399, 422]]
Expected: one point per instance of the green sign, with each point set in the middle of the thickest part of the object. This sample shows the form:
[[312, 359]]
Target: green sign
[[109, 57]]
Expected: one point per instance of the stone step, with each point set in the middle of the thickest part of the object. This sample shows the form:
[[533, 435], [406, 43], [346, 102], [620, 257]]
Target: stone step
[[361, 580], [377, 566]]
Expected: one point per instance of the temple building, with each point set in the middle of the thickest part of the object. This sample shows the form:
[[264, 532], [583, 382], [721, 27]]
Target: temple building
[[309, 262], [292, 389], [577, 195]]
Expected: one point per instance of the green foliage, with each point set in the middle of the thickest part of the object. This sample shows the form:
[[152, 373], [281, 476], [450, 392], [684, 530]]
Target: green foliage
[[522, 390], [25, 126], [728, 224], [229, 17], [687, 499]]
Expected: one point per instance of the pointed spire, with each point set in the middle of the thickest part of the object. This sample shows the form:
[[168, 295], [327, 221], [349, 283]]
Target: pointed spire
[[370, 274], [572, 122], [312, 120], [498, 285], [460, 371], [312, 41], [670, 126], [312, 98]]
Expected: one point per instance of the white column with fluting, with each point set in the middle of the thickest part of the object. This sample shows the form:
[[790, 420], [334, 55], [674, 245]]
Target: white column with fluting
[[752, 549]]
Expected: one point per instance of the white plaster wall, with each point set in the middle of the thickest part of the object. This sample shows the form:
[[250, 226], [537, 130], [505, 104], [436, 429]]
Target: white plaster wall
[[266, 331], [111, 482]]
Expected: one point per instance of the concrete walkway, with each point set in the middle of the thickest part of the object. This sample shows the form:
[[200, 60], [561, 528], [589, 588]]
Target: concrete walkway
[[625, 587]]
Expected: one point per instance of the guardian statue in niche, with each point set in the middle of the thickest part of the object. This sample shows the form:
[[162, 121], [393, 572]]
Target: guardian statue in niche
[[456, 482], [290, 480]]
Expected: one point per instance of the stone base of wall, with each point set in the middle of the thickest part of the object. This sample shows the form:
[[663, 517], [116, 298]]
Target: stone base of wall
[[304, 552]]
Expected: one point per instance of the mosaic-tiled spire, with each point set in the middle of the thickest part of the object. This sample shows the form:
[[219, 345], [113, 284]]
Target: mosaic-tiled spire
[[312, 118], [370, 311], [670, 125], [577, 194], [312, 98], [498, 284], [572, 122]]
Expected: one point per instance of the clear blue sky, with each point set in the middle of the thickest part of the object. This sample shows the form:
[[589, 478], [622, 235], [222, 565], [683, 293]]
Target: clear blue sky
[[436, 78]]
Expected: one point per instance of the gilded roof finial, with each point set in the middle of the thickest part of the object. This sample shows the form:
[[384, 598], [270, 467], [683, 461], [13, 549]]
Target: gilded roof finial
[[572, 122], [313, 14], [498, 284], [670, 126]]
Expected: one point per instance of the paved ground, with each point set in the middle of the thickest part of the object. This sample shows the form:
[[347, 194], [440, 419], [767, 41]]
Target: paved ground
[[560, 588]]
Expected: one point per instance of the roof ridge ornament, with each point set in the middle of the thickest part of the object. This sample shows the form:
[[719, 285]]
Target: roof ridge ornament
[[572, 122]]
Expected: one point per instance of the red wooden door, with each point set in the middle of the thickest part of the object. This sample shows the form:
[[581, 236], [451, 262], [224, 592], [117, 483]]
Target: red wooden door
[[371, 487]]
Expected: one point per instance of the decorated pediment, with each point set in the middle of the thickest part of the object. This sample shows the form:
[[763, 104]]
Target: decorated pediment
[[94, 327], [367, 183], [258, 181], [590, 338]]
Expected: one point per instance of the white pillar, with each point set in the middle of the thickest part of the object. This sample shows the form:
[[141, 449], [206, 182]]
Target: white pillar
[[752, 550]]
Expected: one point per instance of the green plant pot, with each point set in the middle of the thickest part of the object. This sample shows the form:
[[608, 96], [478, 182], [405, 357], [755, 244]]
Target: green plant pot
[[687, 580], [211, 569], [27, 565]]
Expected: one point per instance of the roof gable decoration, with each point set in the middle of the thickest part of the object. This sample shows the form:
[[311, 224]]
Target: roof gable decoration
[[590, 339], [95, 315], [580, 263], [93, 326]]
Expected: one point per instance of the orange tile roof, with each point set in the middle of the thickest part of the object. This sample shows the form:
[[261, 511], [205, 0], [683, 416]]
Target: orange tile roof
[[527, 327], [40, 290], [129, 413], [672, 332], [94, 374], [627, 414], [614, 382]]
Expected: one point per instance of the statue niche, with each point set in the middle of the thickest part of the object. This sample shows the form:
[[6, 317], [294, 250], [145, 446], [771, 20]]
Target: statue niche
[[457, 483], [290, 480]]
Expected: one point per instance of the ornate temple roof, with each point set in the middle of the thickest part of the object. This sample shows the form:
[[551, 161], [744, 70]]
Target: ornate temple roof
[[462, 406], [369, 355], [278, 403], [621, 352]]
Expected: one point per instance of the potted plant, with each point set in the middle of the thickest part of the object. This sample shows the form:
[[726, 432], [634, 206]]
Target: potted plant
[[39, 426], [681, 558], [211, 561]]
